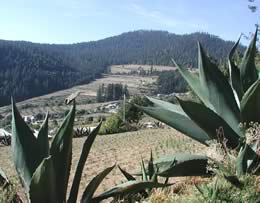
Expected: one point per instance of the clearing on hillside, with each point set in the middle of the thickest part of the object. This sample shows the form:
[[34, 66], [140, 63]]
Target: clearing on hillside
[[128, 68]]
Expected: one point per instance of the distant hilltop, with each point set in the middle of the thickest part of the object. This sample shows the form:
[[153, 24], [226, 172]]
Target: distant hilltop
[[33, 69]]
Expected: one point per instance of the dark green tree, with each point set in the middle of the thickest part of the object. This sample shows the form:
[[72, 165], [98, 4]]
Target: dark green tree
[[99, 97], [130, 111], [125, 91], [169, 82], [109, 92]]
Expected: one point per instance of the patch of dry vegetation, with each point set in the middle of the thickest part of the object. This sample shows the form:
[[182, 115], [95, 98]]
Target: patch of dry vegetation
[[127, 68]]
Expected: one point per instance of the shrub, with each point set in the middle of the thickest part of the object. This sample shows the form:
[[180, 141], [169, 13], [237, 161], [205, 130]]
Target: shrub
[[169, 82], [113, 124], [132, 113]]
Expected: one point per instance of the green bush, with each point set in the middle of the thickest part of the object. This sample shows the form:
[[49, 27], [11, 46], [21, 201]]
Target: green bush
[[35, 126], [170, 81], [113, 124], [132, 113]]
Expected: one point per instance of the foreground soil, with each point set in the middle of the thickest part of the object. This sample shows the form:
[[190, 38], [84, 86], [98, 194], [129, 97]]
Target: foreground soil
[[125, 149]]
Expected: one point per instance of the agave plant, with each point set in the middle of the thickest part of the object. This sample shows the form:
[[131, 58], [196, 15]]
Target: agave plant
[[134, 189], [148, 174], [223, 104], [44, 169], [181, 164], [166, 167]]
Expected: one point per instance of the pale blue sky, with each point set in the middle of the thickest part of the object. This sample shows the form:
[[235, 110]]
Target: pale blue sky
[[69, 21]]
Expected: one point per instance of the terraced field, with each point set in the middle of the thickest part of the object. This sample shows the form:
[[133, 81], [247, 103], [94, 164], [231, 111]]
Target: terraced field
[[125, 149], [54, 103]]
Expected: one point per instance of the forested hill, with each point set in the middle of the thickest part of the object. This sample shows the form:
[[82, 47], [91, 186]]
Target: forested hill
[[26, 70], [32, 69], [146, 47]]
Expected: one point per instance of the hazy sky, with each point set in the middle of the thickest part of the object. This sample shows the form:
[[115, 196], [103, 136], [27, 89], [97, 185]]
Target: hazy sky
[[69, 21]]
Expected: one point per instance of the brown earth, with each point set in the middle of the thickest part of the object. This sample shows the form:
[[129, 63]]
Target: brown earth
[[124, 149]]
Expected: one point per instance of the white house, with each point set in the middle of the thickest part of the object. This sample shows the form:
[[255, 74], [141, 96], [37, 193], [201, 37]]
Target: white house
[[29, 119]]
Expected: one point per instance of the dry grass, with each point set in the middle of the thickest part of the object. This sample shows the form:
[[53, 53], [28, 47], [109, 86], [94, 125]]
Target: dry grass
[[127, 68], [124, 149]]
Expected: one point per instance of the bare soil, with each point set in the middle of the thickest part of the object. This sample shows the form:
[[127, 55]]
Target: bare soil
[[124, 149]]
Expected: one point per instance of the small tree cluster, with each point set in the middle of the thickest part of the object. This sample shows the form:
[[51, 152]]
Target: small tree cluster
[[169, 82], [130, 111], [111, 92]]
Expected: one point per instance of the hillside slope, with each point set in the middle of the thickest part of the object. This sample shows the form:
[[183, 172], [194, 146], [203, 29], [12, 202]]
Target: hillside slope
[[32, 69]]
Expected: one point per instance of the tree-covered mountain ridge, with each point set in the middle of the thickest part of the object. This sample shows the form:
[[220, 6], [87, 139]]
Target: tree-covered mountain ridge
[[32, 69]]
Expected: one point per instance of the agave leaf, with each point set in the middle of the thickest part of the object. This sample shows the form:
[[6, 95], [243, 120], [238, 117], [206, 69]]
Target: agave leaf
[[61, 150], [3, 178], [155, 178], [248, 72], [43, 185], [253, 158], [234, 181], [234, 74], [151, 170], [241, 162], [174, 116], [201, 190], [215, 189], [83, 158], [127, 175], [42, 139], [195, 84], [209, 121], [93, 185], [212, 80], [220, 93], [130, 187], [144, 173], [250, 103], [25, 150], [181, 165], [247, 159]]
